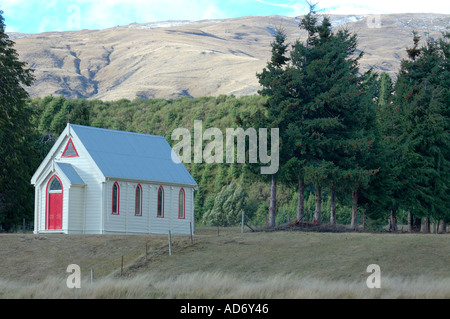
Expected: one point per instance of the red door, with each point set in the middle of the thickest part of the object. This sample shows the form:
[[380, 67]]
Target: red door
[[54, 204], [55, 211]]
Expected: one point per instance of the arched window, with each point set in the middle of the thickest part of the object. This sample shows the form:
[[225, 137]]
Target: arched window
[[181, 204], [55, 184], [115, 199], [138, 201], [160, 209]]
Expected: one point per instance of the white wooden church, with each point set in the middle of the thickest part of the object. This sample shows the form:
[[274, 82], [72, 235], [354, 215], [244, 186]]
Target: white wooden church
[[99, 181]]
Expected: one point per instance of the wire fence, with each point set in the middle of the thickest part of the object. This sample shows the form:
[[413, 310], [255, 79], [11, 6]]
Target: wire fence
[[24, 227]]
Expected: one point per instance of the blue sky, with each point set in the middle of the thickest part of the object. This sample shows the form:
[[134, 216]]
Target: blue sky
[[33, 16]]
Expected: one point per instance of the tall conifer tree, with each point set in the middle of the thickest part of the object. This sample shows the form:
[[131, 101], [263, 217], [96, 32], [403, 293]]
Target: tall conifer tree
[[333, 110], [420, 115], [15, 134], [273, 86]]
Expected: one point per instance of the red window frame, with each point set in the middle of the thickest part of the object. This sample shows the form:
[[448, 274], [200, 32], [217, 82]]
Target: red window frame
[[184, 204], [136, 204], [67, 146], [118, 199], [157, 200]]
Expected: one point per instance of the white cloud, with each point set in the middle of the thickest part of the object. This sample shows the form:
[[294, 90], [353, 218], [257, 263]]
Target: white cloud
[[104, 14], [153, 9], [213, 12], [99, 14], [295, 8], [384, 6]]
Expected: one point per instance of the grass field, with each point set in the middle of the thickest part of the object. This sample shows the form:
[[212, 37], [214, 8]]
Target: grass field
[[287, 264]]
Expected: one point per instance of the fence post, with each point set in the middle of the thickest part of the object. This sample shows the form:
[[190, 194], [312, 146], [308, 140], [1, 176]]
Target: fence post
[[243, 222], [170, 243], [92, 276], [121, 268], [192, 237], [217, 225]]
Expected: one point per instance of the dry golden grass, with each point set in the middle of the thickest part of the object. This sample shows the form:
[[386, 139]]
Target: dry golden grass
[[217, 285], [287, 264]]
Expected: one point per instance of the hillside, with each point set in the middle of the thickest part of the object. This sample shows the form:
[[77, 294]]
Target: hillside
[[203, 58]]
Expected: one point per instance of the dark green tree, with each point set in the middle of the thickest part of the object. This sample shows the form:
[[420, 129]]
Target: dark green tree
[[333, 111], [420, 115], [274, 88], [15, 135], [386, 88], [378, 197]]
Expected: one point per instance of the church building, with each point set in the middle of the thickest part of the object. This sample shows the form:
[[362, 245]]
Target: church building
[[99, 181]]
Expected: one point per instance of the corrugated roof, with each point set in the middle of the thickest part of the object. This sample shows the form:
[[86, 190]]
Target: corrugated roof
[[128, 155], [70, 173]]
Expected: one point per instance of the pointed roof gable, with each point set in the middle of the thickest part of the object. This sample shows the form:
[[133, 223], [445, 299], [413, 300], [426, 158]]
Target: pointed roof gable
[[136, 156]]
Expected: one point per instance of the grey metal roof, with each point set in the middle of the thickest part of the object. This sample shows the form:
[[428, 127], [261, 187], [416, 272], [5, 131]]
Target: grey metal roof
[[70, 173], [136, 156]]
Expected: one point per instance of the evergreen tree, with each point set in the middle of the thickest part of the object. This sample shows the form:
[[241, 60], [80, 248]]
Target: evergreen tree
[[380, 196], [16, 158], [386, 88], [420, 128], [333, 109], [273, 86]]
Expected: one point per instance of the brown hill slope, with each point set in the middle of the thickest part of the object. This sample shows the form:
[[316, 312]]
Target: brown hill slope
[[203, 58]]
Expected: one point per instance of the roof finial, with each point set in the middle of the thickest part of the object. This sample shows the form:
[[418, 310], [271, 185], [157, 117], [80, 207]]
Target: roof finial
[[68, 117]]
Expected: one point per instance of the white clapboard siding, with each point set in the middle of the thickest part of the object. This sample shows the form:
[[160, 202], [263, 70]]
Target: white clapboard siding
[[159, 225], [137, 223], [40, 205], [76, 209], [127, 222], [182, 225], [92, 215], [115, 223]]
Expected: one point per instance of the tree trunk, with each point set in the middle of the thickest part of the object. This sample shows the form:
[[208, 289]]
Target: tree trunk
[[333, 208], [410, 222], [364, 220], [393, 220], [273, 202], [426, 225], [443, 227], [301, 200], [354, 210], [417, 224], [318, 210]]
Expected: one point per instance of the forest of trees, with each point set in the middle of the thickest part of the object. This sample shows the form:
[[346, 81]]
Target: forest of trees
[[351, 144]]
